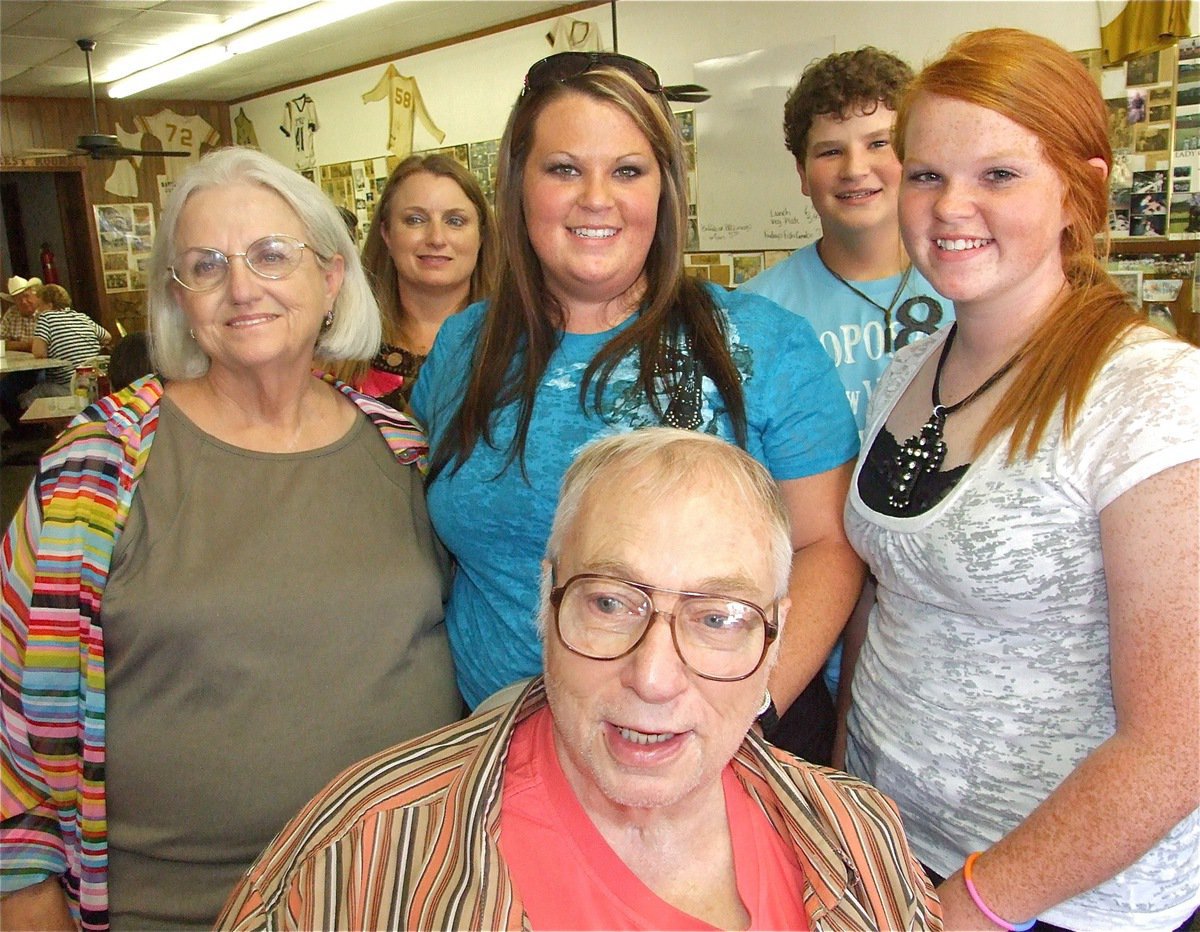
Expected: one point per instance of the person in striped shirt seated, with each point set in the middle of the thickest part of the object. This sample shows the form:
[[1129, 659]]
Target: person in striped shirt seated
[[627, 787], [62, 333]]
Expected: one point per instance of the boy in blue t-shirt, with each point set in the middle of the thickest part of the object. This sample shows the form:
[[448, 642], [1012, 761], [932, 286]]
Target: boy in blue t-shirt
[[855, 285]]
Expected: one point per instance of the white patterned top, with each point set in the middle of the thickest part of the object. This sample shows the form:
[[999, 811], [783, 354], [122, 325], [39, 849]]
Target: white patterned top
[[985, 677]]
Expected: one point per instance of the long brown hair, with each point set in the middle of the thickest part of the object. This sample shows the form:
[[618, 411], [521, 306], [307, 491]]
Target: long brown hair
[[377, 260], [1039, 85], [524, 320]]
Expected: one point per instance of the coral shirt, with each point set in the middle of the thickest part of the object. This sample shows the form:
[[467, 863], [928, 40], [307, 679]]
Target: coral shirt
[[569, 878]]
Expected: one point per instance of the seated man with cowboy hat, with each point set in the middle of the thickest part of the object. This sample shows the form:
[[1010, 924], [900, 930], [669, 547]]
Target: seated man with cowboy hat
[[18, 323]]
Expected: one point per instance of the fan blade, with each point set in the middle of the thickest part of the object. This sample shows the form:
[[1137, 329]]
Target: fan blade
[[101, 145], [36, 153], [168, 153]]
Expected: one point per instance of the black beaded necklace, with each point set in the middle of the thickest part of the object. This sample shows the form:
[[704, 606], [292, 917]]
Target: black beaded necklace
[[891, 305], [922, 454]]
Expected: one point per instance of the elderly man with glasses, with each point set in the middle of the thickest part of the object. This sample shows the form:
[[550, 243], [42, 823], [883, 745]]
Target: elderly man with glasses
[[626, 789]]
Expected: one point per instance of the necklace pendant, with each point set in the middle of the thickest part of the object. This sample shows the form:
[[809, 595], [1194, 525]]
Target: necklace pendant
[[920, 455], [685, 400]]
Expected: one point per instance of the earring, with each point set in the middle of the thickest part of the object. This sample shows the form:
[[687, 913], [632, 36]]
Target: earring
[[766, 703], [328, 320], [191, 333]]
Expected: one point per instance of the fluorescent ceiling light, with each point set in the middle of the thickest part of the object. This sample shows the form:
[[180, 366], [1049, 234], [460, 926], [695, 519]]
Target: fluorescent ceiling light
[[301, 20], [285, 27], [195, 37], [196, 60]]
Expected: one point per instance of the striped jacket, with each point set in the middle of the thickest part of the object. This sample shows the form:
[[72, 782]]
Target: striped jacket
[[409, 839], [53, 570]]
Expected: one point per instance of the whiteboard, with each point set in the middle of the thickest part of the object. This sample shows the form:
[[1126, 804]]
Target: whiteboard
[[749, 193]]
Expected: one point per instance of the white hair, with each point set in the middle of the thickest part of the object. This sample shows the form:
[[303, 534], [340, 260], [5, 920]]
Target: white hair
[[356, 330], [661, 461]]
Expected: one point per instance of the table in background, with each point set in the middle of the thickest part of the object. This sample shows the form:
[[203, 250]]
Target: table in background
[[19, 361], [53, 408]]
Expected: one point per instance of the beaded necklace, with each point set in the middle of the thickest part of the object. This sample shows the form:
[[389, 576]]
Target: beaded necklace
[[685, 405], [922, 454], [891, 305]]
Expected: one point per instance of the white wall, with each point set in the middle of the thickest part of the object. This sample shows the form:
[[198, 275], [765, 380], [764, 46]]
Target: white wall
[[671, 35], [470, 87]]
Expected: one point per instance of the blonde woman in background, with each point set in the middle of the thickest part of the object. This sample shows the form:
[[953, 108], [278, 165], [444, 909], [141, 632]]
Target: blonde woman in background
[[430, 251]]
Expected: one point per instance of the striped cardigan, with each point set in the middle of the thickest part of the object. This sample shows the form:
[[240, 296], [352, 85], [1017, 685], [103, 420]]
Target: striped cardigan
[[53, 569], [409, 839]]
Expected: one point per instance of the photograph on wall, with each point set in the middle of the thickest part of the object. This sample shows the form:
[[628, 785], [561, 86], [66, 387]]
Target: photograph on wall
[[1148, 204], [1136, 106], [1153, 182], [1184, 216], [1180, 219], [1187, 130], [483, 158], [745, 267], [1093, 61], [1153, 139], [687, 129], [1119, 198], [1189, 66], [1143, 70], [126, 236], [1119, 134], [1148, 225], [355, 186]]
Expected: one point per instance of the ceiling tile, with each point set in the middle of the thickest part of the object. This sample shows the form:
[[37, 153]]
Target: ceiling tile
[[71, 21], [39, 57]]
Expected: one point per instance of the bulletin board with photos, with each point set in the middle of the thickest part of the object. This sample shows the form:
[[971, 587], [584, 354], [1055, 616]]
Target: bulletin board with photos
[[357, 186], [1153, 106], [126, 235]]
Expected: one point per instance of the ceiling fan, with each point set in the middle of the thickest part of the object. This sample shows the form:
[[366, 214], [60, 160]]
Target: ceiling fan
[[96, 144]]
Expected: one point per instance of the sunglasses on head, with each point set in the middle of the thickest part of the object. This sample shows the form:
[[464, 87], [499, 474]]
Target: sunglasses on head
[[567, 65]]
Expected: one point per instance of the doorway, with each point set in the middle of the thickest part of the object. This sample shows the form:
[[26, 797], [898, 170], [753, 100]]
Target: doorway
[[48, 206]]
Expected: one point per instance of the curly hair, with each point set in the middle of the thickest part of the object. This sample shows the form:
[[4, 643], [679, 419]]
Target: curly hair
[[839, 83], [56, 296]]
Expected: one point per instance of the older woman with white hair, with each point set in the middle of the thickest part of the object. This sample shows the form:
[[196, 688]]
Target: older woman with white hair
[[235, 618]]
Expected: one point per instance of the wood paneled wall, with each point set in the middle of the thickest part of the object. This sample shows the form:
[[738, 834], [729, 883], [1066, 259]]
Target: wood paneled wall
[[57, 122]]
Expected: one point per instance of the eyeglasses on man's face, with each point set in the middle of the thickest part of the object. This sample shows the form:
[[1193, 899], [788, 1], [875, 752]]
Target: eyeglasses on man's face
[[718, 638], [567, 65], [274, 256]]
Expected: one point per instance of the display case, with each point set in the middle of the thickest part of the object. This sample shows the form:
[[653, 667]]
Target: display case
[[1159, 275]]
